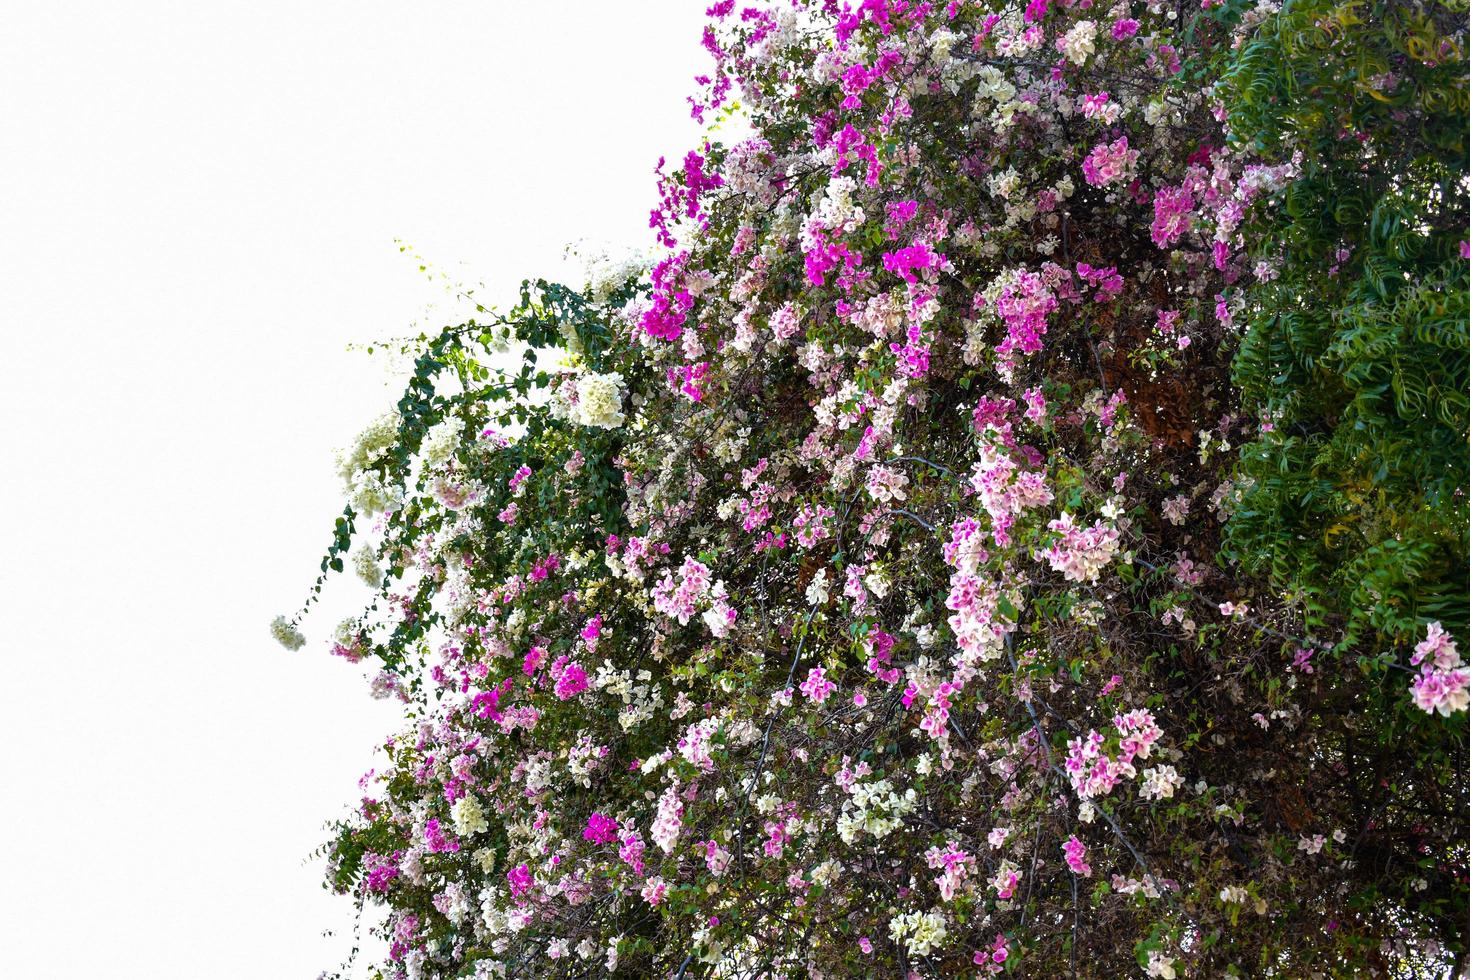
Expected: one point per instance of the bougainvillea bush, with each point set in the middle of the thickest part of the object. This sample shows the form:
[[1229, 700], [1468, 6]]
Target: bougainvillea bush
[[1014, 524]]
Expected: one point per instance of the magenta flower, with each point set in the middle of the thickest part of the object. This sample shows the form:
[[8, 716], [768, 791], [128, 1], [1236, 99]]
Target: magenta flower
[[571, 681], [520, 880], [600, 829]]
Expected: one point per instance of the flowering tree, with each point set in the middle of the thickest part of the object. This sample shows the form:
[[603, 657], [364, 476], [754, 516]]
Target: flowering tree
[[877, 585]]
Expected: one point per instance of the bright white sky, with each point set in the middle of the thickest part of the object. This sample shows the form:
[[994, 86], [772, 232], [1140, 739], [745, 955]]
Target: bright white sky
[[198, 207]]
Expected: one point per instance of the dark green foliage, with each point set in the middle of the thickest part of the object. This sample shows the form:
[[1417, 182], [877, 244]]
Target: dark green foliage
[[1360, 348]]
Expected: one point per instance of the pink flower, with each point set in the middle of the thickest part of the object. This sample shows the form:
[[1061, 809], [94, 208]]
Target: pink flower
[[1076, 854], [1035, 405], [668, 822], [1438, 647], [679, 602], [1173, 211], [655, 890], [1093, 105], [630, 852], [1109, 163], [1443, 691], [1024, 307], [716, 858], [381, 870], [886, 484], [1176, 509], [670, 303], [816, 686], [532, 663], [785, 323], [1081, 552], [1443, 684]]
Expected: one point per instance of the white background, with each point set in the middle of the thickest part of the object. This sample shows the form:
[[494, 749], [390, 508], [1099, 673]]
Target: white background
[[198, 207]]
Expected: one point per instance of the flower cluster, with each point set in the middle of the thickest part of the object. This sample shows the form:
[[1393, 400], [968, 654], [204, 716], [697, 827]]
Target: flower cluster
[[591, 399], [1443, 684], [865, 510]]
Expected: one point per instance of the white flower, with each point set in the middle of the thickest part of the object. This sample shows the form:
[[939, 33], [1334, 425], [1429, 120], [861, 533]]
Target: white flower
[[816, 591], [1160, 782], [877, 582], [439, 445], [370, 495], [826, 873], [378, 436], [365, 488], [943, 42], [469, 817], [1005, 183], [600, 400], [590, 399], [921, 932], [286, 634], [346, 632], [1234, 894], [606, 273], [365, 564], [1160, 965], [717, 621], [383, 685], [1077, 43], [612, 952]]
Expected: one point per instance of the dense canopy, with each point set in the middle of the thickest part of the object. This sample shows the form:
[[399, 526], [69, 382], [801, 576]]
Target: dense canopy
[[1014, 523]]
